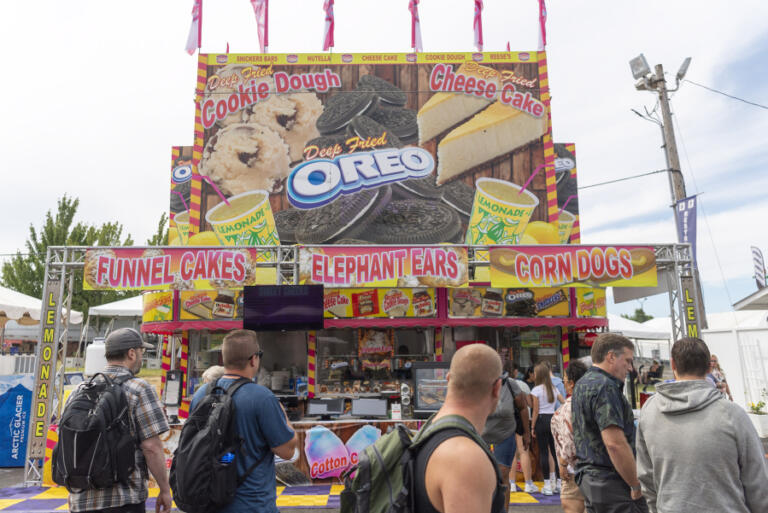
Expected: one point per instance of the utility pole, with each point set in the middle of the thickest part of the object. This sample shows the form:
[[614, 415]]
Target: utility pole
[[668, 131], [688, 296]]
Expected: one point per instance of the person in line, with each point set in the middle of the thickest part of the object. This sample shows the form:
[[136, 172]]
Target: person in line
[[653, 372], [558, 384], [604, 431], [688, 433], [261, 421], [124, 351], [453, 474], [544, 398], [501, 426], [529, 378], [570, 497], [523, 453], [212, 373], [717, 377]]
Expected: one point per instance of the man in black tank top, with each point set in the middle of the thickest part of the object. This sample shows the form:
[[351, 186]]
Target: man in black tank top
[[453, 473]]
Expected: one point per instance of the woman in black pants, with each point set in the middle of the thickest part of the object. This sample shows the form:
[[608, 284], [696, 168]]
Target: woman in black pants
[[544, 398]]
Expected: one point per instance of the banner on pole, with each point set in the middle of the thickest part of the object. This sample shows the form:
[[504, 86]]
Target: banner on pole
[[686, 223], [759, 263]]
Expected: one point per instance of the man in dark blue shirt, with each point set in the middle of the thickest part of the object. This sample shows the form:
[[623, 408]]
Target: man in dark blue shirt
[[604, 431], [261, 421]]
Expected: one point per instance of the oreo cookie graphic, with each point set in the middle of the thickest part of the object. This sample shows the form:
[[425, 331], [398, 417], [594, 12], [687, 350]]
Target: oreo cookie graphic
[[347, 217], [388, 93], [414, 222], [286, 222], [342, 107], [352, 242], [401, 122], [181, 190], [458, 195], [520, 303], [567, 185], [365, 127], [417, 188]]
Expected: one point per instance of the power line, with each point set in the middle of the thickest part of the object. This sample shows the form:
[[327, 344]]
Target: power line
[[726, 94], [705, 217], [624, 179]]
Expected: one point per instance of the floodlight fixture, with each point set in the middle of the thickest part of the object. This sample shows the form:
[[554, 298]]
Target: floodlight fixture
[[683, 69], [639, 66]]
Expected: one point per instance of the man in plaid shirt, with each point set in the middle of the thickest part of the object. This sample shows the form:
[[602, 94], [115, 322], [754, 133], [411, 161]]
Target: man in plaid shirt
[[124, 352]]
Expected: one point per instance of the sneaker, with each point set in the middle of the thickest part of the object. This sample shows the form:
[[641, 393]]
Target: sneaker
[[512, 487], [531, 488], [559, 486], [546, 489]]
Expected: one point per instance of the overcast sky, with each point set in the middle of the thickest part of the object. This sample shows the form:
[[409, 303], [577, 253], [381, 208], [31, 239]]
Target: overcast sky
[[95, 94]]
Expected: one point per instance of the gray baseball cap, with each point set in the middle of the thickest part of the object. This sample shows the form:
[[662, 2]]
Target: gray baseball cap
[[125, 338]]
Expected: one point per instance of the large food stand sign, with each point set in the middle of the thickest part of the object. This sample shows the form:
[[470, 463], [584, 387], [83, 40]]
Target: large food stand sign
[[368, 148]]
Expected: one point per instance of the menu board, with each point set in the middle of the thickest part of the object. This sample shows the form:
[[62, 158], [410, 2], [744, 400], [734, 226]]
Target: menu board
[[346, 303], [511, 302]]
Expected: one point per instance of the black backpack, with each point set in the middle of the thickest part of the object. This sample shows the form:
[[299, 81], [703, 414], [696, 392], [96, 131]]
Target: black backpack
[[96, 447], [204, 468]]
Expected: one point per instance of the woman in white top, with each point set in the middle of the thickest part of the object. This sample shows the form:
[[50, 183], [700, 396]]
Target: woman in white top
[[544, 397]]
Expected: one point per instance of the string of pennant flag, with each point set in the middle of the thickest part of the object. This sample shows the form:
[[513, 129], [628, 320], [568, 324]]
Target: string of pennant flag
[[261, 11]]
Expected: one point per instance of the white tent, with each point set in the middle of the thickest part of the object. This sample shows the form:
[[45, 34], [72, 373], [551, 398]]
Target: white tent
[[129, 307], [719, 321], [26, 309], [740, 341], [634, 329]]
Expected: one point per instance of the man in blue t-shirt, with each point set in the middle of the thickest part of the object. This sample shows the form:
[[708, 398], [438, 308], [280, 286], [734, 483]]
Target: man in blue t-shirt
[[261, 421]]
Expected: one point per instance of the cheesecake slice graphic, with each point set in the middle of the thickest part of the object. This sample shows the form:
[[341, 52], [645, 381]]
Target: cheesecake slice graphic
[[497, 130], [445, 110]]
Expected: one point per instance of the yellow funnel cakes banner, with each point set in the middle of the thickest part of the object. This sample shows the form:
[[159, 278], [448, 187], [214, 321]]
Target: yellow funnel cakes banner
[[176, 268], [573, 266]]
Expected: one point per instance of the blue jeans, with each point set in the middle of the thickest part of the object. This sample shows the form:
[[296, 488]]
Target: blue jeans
[[505, 451]]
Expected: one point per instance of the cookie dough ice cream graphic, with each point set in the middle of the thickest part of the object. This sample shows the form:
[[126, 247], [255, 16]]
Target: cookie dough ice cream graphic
[[375, 149]]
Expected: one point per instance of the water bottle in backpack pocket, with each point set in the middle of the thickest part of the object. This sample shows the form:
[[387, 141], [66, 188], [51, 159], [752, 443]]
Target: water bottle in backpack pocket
[[96, 447]]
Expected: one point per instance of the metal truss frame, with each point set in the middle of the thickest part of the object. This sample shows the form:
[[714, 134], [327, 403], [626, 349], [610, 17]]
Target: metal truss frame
[[674, 262]]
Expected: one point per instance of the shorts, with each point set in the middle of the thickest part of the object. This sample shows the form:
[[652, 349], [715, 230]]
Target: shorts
[[570, 491], [504, 452]]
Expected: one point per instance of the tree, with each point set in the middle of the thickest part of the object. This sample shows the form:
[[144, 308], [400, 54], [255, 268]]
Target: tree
[[160, 238], [24, 272], [638, 316]]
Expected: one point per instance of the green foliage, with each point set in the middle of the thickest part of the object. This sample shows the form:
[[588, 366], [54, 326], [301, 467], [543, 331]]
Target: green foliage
[[160, 238], [638, 316], [24, 271]]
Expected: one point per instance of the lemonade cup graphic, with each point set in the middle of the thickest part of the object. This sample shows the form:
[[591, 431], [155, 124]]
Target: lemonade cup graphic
[[500, 212], [564, 226], [246, 221], [182, 226]]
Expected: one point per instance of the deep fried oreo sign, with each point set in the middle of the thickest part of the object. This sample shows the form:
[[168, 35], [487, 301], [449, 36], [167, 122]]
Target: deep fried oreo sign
[[318, 182]]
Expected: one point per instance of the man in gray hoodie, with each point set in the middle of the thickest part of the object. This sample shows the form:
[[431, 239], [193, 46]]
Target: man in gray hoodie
[[695, 450]]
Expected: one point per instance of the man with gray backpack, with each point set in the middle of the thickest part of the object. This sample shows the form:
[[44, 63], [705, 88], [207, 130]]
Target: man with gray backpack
[[446, 467], [109, 434]]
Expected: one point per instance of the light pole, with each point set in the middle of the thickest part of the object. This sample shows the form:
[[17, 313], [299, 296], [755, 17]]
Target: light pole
[[646, 81]]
